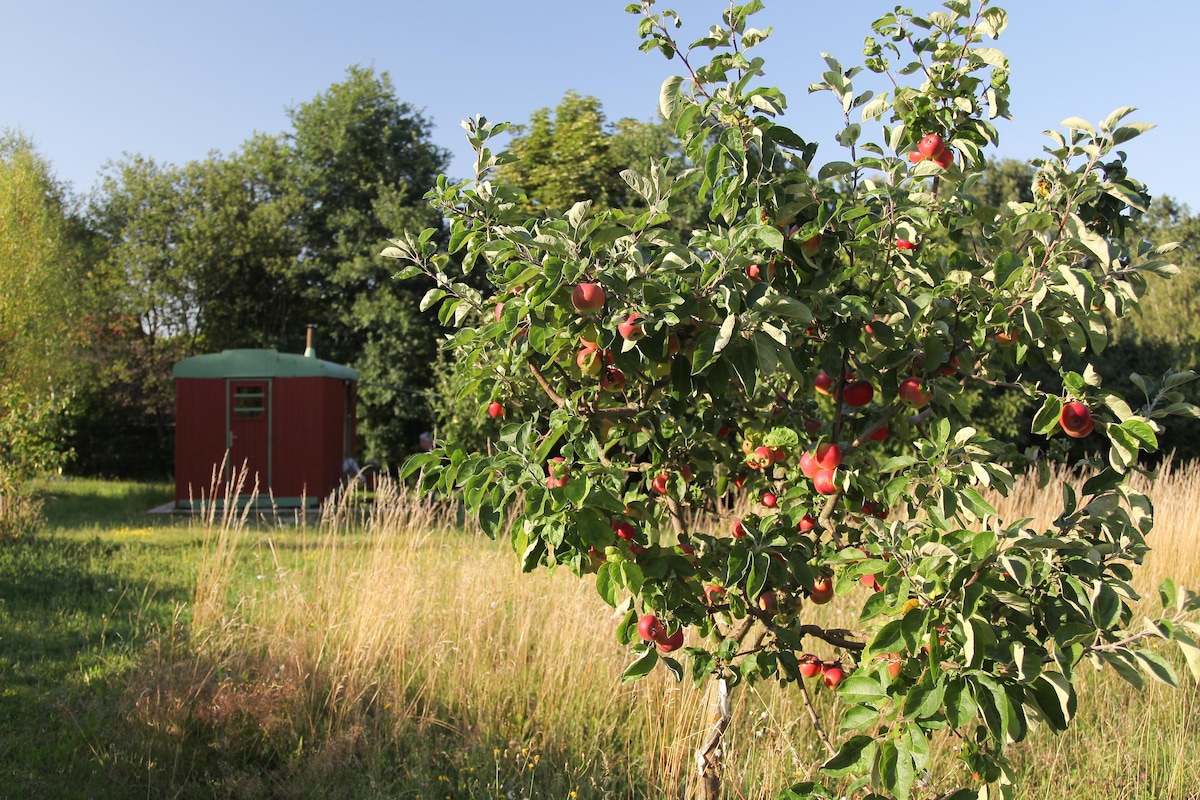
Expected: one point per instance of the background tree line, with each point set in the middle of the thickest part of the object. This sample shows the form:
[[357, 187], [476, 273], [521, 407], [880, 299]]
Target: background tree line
[[100, 295]]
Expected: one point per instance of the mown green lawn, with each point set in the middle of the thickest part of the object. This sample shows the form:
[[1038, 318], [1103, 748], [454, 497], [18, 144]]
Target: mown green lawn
[[76, 605]]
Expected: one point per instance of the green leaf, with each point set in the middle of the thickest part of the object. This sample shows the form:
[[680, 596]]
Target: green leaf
[[1078, 124], [1168, 594], [1124, 664], [855, 756], [668, 97], [1046, 420], [1156, 667], [858, 717], [1106, 605], [607, 584], [1142, 432], [924, 701], [674, 666], [1189, 648], [432, 297], [770, 237], [1055, 697], [641, 667], [834, 169], [861, 689], [975, 503], [896, 768]]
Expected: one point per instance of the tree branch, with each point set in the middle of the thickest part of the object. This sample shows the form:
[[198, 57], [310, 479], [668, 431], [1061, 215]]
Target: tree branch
[[554, 396], [816, 721]]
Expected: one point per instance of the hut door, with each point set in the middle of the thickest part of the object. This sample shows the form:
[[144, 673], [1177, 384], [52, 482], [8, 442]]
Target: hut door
[[250, 432]]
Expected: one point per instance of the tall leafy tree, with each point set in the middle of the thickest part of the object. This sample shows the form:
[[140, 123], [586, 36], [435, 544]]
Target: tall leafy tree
[[40, 278], [361, 163], [571, 154]]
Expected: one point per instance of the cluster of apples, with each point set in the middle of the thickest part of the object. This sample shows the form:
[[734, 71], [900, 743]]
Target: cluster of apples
[[589, 299], [831, 672], [933, 148], [651, 629]]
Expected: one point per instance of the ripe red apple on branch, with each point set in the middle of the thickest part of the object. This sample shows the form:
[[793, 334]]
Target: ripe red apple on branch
[[650, 628], [588, 298], [1076, 419]]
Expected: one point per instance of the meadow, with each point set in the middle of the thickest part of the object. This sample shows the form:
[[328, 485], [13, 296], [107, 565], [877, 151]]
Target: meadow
[[384, 651]]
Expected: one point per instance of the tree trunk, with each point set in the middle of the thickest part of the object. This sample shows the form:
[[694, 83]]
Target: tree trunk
[[708, 755]]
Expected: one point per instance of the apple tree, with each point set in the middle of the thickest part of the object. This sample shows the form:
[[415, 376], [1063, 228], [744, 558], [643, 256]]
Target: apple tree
[[730, 427]]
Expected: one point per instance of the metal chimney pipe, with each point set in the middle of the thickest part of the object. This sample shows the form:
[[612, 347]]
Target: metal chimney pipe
[[309, 350]]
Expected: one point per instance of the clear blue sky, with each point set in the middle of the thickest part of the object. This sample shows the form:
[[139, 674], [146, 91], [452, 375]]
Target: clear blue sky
[[89, 81]]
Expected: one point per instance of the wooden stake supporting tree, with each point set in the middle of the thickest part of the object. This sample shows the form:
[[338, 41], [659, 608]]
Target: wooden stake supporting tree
[[812, 348]]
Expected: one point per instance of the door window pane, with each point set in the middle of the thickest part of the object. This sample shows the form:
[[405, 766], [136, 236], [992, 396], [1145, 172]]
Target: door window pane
[[248, 402]]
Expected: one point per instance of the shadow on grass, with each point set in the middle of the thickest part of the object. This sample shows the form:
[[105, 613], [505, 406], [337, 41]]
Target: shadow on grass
[[72, 625]]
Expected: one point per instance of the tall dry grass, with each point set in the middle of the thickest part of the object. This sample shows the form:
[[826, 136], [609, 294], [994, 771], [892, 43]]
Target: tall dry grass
[[385, 642]]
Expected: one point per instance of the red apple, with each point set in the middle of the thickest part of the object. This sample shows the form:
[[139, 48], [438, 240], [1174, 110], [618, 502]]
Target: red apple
[[767, 602], [650, 628], [495, 410], [588, 298], [905, 246], [590, 361], [828, 456], [778, 455], [498, 311], [857, 394], [713, 593], [895, 662], [915, 157], [738, 530], [871, 582], [1076, 420], [930, 145], [822, 590], [1005, 338], [808, 465], [825, 481], [770, 500], [824, 383], [944, 159], [623, 529], [757, 274], [659, 484], [558, 472], [912, 392], [761, 458], [723, 431], [811, 246], [630, 329], [672, 642], [612, 380], [879, 434], [810, 665], [832, 675], [806, 523]]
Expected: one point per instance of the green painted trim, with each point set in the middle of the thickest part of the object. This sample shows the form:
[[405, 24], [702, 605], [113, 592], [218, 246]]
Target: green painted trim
[[260, 364]]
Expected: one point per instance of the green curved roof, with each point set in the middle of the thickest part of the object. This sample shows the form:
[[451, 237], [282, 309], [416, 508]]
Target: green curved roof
[[259, 364]]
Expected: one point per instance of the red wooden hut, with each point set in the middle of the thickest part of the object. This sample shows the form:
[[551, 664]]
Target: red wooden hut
[[288, 419]]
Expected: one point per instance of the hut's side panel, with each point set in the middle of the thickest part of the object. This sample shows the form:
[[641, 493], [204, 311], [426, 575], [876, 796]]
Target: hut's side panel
[[309, 436], [199, 436]]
